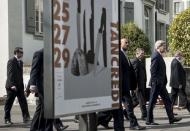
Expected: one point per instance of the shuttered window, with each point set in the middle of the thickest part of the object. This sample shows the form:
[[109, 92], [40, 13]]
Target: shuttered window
[[163, 5], [34, 19], [161, 31], [129, 12], [38, 17], [167, 6], [178, 7], [30, 16]]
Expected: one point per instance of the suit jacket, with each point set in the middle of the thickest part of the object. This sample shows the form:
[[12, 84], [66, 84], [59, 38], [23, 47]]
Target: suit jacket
[[14, 74], [127, 75], [36, 74], [178, 75], [158, 70], [140, 70]]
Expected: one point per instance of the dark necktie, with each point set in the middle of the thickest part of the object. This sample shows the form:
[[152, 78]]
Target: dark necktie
[[19, 63]]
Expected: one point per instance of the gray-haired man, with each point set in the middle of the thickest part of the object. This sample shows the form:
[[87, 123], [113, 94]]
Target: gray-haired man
[[158, 84]]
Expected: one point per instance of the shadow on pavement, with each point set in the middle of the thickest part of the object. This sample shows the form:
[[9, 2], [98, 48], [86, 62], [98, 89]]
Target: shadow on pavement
[[165, 126], [17, 125]]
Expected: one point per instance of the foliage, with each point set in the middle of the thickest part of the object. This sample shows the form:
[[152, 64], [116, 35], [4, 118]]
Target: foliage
[[136, 37], [179, 35]]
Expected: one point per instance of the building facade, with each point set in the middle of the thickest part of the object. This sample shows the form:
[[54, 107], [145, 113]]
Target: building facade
[[152, 16], [179, 6], [21, 24], [17, 28]]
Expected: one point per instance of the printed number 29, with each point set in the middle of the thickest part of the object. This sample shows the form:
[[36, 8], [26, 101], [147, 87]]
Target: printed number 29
[[65, 55]]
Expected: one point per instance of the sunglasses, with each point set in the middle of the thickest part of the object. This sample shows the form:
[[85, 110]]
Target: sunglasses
[[21, 52]]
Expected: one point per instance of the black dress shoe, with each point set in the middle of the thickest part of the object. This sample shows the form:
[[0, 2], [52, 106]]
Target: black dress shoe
[[175, 119], [26, 120], [143, 118], [138, 127], [175, 114], [151, 123], [106, 126], [8, 122], [61, 128], [76, 120]]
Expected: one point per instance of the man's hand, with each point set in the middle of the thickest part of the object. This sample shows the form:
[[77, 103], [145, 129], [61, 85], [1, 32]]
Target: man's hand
[[26, 93], [180, 86], [33, 89], [13, 88]]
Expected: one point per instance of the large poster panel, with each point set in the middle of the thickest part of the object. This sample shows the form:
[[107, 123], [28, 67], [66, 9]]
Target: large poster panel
[[85, 61]]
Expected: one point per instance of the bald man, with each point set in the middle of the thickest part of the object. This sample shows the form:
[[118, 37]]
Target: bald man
[[128, 78]]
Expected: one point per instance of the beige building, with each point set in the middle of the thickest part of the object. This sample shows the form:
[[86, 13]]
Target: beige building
[[152, 16]]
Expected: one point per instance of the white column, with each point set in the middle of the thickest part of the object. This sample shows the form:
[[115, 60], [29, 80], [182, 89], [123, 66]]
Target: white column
[[4, 44]]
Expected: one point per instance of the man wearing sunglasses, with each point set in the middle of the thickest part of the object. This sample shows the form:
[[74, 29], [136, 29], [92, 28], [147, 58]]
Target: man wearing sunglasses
[[15, 87]]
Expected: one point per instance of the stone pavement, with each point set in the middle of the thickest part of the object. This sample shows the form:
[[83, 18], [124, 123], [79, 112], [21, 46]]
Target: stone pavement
[[159, 114]]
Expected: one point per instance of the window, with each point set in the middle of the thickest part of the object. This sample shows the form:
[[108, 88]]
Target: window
[[178, 7], [163, 5], [188, 4], [129, 12], [161, 32], [34, 17], [38, 17], [148, 22]]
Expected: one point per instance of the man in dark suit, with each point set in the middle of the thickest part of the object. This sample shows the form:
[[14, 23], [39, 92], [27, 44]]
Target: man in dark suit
[[178, 79], [158, 84], [140, 70], [15, 87], [128, 78], [39, 123], [57, 122]]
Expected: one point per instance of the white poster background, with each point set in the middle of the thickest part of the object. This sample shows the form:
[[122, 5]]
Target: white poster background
[[168, 61], [91, 92]]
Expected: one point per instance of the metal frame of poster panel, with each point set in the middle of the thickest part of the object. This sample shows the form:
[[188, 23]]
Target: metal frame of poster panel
[[119, 34], [79, 77], [48, 59]]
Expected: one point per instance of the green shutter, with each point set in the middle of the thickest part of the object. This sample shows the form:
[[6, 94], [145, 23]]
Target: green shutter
[[30, 16], [129, 12]]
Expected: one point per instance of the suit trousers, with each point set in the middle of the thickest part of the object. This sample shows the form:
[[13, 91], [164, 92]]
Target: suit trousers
[[57, 123], [142, 102], [11, 95], [118, 119], [39, 123], [181, 92], [104, 117], [162, 91], [127, 101]]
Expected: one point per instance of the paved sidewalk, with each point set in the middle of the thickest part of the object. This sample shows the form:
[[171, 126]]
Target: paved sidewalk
[[159, 114]]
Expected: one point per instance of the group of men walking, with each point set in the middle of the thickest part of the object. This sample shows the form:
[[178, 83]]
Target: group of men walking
[[158, 83], [132, 75]]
